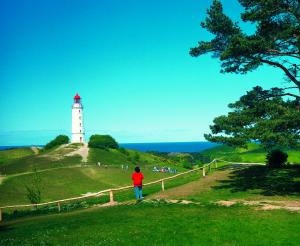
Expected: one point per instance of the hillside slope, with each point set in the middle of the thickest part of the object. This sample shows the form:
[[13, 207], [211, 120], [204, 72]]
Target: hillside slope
[[254, 153], [64, 176]]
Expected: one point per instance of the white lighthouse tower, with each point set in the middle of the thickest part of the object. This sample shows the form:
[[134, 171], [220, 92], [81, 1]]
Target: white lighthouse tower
[[77, 121]]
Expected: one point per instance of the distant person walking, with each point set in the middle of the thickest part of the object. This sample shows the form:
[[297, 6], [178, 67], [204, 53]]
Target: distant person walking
[[137, 178]]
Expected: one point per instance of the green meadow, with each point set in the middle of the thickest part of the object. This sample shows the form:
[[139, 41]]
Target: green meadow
[[201, 220], [253, 153], [157, 224]]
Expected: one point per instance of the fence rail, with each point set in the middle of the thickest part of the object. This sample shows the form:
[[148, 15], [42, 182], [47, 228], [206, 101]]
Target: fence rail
[[111, 190]]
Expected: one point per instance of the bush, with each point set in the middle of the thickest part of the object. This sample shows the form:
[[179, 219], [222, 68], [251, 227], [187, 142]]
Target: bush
[[124, 151], [276, 158], [103, 142], [34, 190], [59, 140], [136, 157], [187, 165]]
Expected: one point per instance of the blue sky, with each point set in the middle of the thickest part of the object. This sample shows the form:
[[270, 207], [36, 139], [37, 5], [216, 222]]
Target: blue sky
[[130, 62]]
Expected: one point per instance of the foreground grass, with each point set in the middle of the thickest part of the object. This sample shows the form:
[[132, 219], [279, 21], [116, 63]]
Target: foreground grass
[[159, 224]]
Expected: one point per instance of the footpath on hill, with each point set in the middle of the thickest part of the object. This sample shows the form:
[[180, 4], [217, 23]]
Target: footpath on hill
[[210, 190], [83, 151]]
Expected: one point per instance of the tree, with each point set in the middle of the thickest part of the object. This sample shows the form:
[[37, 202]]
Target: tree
[[103, 142], [59, 140], [272, 122], [268, 116], [34, 189], [276, 158], [276, 41]]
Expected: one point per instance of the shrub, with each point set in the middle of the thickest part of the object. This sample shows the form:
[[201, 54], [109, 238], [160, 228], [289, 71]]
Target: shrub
[[276, 158], [124, 151], [136, 157], [59, 140], [187, 165], [34, 190], [103, 142], [234, 158]]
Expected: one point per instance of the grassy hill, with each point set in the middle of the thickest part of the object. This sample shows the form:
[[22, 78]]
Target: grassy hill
[[161, 223], [66, 176], [12, 154], [254, 153], [154, 221], [128, 157]]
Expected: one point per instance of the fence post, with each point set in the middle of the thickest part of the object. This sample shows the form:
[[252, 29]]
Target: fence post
[[209, 167], [162, 185], [203, 171], [0, 214], [216, 164], [111, 196], [58, 206]]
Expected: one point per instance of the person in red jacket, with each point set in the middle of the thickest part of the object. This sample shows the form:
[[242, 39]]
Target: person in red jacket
[[137, 178]]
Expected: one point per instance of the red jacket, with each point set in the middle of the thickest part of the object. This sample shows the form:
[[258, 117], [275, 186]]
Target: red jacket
[[137, 179]]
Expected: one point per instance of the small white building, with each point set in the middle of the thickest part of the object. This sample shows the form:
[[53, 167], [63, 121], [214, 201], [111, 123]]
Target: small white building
[[77, 121]]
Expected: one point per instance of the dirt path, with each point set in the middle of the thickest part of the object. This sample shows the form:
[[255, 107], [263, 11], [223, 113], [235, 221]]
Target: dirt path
[[35, 150], [192, 188], [264, 204], [83, 151]]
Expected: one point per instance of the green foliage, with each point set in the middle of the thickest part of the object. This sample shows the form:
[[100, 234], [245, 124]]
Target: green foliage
[[275, 42], [103, 142], [59, 140], [187, 165], [272, 122], [124, 151], [136, 157], [276, 158], [34, 189]]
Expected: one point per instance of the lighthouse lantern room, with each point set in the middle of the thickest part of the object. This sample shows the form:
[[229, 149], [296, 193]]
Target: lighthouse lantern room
[[77, 120]]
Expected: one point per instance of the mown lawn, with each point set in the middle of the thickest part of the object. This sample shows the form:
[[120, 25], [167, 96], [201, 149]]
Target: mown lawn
[[158, 224]]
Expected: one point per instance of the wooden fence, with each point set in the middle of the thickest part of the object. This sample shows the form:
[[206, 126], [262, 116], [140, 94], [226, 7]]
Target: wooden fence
[[204, 168]]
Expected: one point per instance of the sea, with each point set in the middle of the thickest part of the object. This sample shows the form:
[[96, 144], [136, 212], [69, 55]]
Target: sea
[[186, 147]]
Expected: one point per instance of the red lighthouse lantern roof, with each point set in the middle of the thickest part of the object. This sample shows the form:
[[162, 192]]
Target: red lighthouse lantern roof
[[77, 96]]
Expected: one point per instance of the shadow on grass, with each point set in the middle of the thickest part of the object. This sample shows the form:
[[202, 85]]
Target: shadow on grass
[[265, 181]]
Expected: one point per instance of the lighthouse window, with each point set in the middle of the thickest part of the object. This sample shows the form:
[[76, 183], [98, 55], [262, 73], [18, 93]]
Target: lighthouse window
[[80, 124], [79, 117], [79, 110], [80, 130]]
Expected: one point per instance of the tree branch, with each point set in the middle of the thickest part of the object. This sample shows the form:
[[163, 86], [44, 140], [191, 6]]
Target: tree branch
[[289, 94], [286, 71], [291, 54]]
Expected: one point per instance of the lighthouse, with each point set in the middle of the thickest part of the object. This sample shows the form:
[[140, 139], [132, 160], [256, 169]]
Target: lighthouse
[[77, 120]]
